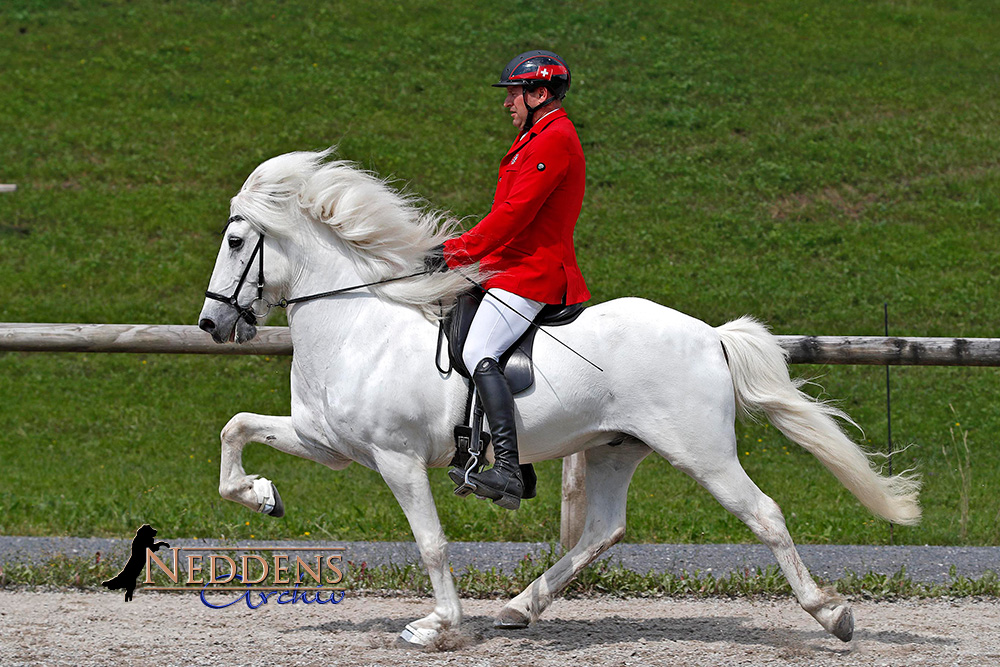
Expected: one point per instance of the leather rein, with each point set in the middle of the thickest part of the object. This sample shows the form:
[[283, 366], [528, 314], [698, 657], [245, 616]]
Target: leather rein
[[250, 316], [249, 313]]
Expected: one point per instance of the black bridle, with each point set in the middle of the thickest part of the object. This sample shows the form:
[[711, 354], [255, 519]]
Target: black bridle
[[247, 312]]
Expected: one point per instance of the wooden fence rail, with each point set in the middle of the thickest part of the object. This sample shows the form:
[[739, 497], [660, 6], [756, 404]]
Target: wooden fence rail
[[189, 339], [180, 339], [892, 351], [141, 338]]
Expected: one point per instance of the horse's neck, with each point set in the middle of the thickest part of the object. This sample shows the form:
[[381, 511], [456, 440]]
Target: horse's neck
[[356, 317], [317, 267], [348, 326]]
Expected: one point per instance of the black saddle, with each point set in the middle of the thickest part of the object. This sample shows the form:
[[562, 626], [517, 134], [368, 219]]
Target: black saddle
[[517, 363]]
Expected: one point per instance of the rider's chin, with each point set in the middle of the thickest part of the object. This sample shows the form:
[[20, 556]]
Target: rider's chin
[[244, 332]]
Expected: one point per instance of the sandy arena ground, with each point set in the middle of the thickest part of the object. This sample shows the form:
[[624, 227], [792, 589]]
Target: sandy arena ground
[[81, 628]]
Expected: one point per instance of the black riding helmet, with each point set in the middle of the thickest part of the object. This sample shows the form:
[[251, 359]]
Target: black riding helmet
[[534, 69]]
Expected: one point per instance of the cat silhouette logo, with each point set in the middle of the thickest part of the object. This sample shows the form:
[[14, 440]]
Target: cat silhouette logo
[[126, 579]]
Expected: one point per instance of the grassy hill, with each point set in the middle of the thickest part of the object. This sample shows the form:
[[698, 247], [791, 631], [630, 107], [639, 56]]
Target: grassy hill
[[802, 161]]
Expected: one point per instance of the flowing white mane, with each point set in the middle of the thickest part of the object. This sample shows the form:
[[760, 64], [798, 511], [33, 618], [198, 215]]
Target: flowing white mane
[[388, 233]]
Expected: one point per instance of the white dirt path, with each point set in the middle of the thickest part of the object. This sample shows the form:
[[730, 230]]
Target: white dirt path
[[86, 628]]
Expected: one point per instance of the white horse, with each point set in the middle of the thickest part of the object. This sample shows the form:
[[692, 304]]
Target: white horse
[[365, 387]]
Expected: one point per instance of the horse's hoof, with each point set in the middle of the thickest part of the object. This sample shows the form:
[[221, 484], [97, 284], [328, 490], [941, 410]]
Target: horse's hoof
[[843, 626], [279, 507], [414, 637], [270, 500], [510, 619]]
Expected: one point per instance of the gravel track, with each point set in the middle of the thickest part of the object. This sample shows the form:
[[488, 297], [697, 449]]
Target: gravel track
[[81, 628], [99, 628]]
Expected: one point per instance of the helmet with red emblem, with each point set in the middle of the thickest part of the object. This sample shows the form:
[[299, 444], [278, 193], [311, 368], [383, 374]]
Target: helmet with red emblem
[[534, 69]]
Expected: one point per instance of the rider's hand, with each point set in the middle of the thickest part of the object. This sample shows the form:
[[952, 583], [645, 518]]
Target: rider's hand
[[434, 261]]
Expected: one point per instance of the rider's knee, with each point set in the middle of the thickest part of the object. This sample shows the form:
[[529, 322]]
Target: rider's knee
[[472, 358]]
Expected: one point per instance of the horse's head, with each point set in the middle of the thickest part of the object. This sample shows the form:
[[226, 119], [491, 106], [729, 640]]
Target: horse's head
[[228, 313], [322, 225], [241, 289], [265, 220]]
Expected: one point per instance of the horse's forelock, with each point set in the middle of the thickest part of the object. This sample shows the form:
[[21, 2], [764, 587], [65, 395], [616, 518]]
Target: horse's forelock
[[271, 195]]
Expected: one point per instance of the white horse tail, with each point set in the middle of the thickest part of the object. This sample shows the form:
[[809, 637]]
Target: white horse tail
[[759, 368]]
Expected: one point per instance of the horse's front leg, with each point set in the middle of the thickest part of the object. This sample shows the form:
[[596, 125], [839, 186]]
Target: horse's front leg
[[253, 491], [406, 476]]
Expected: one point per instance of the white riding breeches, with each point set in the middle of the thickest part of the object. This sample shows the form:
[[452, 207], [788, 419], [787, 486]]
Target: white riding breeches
[[496, 326]]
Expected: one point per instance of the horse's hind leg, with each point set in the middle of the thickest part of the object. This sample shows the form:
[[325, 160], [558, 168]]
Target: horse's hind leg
[[257, 493], [609, 470], [732, 487]]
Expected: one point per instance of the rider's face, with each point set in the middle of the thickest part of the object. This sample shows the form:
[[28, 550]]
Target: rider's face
[[515, 103]]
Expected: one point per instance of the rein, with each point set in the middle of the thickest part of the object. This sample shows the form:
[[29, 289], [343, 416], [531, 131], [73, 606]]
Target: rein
[[284, 303], [248, 312], [250, 316]]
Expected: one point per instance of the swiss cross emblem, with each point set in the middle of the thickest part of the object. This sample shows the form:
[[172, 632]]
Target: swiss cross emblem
[[544, 73]]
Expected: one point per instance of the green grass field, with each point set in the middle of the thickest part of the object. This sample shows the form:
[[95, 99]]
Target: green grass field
[[802, 161]]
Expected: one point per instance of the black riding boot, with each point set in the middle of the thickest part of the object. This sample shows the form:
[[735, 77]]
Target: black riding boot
[[502, 482]]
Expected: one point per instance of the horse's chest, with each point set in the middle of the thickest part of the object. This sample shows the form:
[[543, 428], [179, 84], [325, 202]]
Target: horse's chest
[[377, 393], [354, 414]]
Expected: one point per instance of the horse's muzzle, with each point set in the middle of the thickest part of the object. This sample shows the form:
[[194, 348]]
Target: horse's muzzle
[[208, 326]]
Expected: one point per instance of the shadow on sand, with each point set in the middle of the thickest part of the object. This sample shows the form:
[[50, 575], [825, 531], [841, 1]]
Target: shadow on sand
[[574, 635]]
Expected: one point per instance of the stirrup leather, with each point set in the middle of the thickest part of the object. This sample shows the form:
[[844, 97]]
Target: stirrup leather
[[474, 440]]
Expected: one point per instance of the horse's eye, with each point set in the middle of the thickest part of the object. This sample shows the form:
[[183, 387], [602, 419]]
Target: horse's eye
[[235, 242]]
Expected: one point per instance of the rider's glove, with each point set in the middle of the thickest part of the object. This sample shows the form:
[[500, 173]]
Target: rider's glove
[[434, 261]]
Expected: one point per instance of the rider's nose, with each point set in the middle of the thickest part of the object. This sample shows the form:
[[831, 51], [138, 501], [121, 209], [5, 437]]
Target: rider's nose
[[206, 325]]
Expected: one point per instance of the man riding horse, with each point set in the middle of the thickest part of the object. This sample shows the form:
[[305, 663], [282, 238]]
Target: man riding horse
[[524, 246]]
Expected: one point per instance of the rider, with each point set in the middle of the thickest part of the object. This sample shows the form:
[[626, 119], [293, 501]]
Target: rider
[[524, 245]]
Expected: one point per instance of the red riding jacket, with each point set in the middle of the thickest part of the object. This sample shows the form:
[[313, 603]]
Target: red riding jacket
[[526, 240]]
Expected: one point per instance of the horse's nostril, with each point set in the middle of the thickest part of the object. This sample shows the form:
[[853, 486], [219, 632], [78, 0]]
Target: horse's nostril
[[206, 325]]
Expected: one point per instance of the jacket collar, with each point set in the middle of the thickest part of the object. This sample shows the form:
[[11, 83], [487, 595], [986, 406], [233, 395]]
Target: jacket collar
[[536, 129]]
